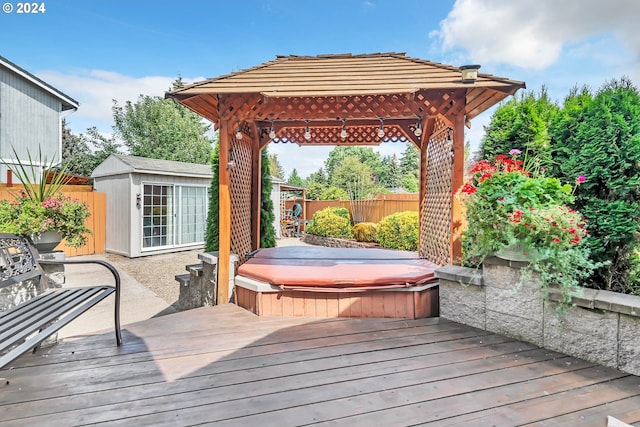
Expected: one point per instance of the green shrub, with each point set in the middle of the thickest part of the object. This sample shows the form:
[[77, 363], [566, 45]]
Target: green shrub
[[365, 232], [399, 231], [330, 222]]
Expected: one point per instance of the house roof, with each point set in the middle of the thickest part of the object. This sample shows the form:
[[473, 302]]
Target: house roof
[[351, 75], [68, 103], [118, 164]]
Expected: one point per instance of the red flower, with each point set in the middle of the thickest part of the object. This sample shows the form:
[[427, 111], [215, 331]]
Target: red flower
[[556, 240]]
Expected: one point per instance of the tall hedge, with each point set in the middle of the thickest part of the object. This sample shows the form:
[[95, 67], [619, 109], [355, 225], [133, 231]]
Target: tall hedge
[[600, 138], [267, 232], [212, 235]]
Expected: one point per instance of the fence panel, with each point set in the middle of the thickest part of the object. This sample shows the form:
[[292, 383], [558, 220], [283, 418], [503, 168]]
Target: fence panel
[[383, 205], [97, 205]]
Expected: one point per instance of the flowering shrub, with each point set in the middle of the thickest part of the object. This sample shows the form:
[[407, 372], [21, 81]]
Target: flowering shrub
[[506, 205], [28, 217], [40, 206]]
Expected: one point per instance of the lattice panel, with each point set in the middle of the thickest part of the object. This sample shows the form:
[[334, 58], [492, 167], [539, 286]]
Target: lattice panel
[[420, 104], [240, 192], [356, 135], [435, 229]]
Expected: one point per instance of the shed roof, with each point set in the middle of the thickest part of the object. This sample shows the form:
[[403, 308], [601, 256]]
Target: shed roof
[[351, 75], [117, 164], [68, 103]]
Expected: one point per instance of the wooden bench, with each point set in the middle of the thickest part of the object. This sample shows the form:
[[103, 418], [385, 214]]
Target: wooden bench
[[26, 325]]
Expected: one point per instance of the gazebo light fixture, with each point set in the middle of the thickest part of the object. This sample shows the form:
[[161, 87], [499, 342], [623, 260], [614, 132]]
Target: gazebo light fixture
[[343, 132], [449, 135], [381, 129], [238, 131], [469, 73], [307, 133], [272, 131], [231, 161], [418, 131]]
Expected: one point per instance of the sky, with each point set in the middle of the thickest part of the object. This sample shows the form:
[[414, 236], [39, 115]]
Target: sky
[[97, 51]]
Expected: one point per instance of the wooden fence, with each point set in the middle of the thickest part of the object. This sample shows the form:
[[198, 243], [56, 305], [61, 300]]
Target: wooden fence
[[383, 205], [97, 203]]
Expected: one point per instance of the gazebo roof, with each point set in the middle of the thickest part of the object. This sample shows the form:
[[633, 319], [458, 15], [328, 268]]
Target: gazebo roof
[[349, 75]]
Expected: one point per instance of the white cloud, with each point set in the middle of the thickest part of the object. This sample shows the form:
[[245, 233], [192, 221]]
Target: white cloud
[[95, 90], [533, 33]]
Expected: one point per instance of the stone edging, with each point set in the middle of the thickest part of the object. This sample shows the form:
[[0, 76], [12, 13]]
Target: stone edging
[[601, 326]]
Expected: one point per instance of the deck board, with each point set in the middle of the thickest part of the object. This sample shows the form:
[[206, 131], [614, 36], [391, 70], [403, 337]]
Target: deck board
[[224, 365]]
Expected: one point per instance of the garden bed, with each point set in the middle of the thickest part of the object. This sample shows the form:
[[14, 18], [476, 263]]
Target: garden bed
[[332, 242]]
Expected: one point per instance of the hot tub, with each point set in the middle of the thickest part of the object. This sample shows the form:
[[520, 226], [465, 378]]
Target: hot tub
[[337, 282]]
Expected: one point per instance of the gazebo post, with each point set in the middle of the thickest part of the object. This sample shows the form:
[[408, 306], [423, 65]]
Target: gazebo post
[[224, 248], [457, 178]]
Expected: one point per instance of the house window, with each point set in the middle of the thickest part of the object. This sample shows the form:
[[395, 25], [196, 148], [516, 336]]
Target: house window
[[173, 215]]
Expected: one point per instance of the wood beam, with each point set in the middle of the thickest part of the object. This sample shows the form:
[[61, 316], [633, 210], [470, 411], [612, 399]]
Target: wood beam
[[256, 187], [224, 215], [457, 178]]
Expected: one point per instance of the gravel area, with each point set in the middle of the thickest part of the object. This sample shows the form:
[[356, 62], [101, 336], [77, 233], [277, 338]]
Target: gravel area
[[157, 272]]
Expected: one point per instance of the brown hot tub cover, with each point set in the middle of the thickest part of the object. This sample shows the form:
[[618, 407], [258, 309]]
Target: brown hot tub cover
[[322, 267]]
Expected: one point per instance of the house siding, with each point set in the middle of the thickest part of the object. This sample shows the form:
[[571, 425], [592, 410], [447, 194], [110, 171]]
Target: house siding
[[30, 117]]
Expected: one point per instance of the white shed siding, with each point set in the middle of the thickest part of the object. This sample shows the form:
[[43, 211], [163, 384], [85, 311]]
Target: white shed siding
[[119, 212]]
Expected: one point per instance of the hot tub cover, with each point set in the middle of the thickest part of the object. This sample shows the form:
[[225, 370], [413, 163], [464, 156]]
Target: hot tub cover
[[311, 266]]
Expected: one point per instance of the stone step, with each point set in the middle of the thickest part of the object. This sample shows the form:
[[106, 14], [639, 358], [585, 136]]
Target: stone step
[[195, 269], [183, 279]]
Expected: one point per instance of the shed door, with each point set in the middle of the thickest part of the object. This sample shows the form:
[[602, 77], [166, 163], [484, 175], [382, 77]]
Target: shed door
[[157, 216], [192, 214]]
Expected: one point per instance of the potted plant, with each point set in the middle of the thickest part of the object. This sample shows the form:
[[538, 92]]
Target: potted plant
[[40, 211], [517, 213]]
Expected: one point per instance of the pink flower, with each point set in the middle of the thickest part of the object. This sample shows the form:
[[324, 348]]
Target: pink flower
[[580, 179], [515, 152]]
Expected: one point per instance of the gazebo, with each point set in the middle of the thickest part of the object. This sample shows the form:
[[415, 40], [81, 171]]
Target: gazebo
[[344, 99]]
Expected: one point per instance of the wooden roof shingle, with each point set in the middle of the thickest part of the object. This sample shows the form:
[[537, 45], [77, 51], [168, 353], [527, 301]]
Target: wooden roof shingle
[[352, 75]]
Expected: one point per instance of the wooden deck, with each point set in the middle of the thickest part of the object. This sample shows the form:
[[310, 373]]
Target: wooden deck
[[224, 365]]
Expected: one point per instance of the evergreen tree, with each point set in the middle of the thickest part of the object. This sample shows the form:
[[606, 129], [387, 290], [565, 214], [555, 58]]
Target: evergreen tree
[[600, 139], [391, 177], [521, 123], [275, 167], [410, 161], [319, 177], [294, 179], [212, 235], [267, 232]]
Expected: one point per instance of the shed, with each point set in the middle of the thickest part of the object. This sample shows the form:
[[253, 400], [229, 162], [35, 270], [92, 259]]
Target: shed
[[153, 206]]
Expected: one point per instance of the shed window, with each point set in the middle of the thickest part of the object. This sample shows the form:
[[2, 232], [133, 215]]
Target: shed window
[[157, 216], [173, 215]]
